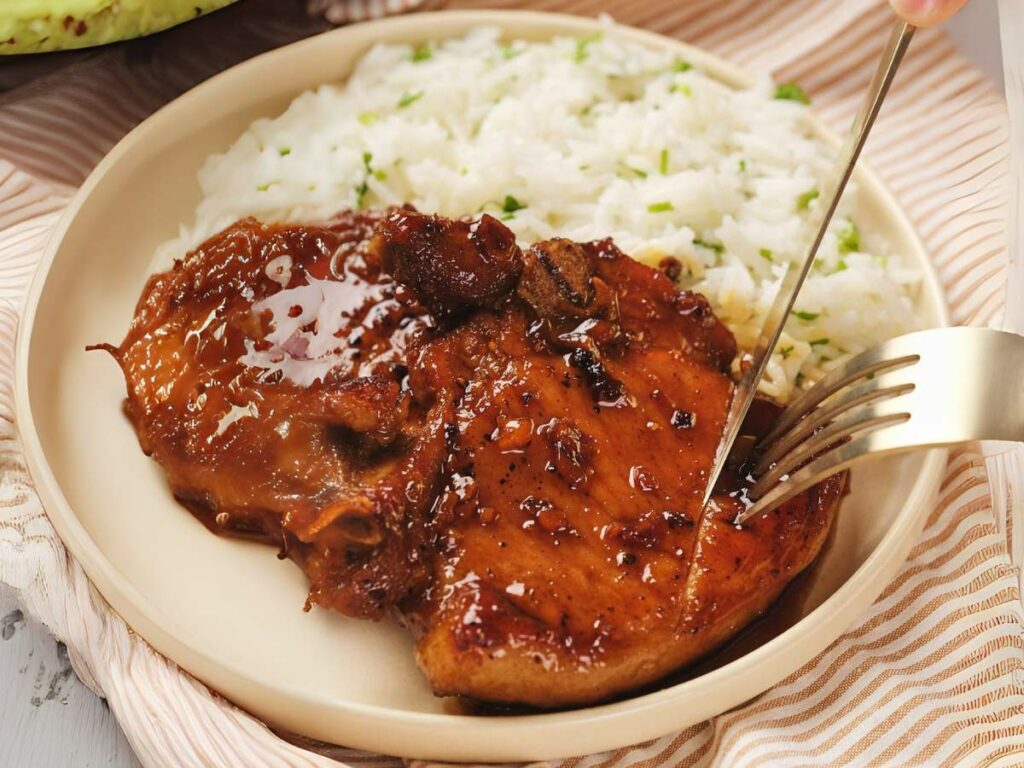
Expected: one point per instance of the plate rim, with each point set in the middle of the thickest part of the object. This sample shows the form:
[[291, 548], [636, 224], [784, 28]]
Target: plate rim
[[562, 733]]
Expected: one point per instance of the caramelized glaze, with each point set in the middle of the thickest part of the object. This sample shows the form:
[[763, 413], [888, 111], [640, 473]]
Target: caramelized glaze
[[509, 447]]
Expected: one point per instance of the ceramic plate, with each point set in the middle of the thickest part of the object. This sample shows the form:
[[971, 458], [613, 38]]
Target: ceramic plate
[[229, 612]]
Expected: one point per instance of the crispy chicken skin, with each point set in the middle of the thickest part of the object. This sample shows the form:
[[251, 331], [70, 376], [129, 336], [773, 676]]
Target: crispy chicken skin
[[508, 447]]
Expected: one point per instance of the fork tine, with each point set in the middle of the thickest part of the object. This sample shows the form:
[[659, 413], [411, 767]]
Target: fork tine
[[819, 444], [832, 461], [831, 383], [868, 392]]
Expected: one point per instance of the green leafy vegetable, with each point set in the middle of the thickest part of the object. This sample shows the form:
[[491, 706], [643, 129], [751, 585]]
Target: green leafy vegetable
[[766, 254], [791, 92], [284, 151], [661, 207], [682, 66], [819, 342], [421, 53]]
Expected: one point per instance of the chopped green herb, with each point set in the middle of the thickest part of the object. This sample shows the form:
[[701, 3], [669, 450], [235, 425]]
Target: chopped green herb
[[743, 165], [791, 92], [583, 43], [409, 98], [819, 342], [870, 377], [421, 53], [636, 171], [785, 352], [509, 51], [682, 88], [849, 239], [663, 162], [511, 205], [661, 207], [804, 201], [682, 66], [380, 175], [766, 254], [841, 266], [808, 316], [284, 151], [367, 118], [264, 187], [364, 188], [716, 247]]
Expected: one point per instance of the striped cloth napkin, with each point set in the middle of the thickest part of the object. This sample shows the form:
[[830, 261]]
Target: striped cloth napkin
[[932, 675]]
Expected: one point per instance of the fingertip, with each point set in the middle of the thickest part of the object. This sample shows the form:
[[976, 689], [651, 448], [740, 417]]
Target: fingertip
[[927, 13]]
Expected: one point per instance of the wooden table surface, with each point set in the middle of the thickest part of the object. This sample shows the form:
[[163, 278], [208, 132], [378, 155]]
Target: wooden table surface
[[49, 719]]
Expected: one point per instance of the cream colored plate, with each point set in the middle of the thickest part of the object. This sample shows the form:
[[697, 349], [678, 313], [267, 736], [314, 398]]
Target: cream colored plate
[[231, 613]]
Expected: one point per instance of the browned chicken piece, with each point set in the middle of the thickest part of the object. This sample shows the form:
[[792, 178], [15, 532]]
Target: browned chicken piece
[[510, 448]]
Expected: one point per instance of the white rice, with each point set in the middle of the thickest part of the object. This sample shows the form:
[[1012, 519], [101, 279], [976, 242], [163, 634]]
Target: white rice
[[596, 137]]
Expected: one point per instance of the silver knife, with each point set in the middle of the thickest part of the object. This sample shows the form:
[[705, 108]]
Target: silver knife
[[793, 279]]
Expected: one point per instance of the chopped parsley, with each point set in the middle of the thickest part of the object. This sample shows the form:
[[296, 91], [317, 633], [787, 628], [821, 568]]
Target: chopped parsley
[[804, 201], [265, 187], [818, 342], [380, 175], [510, 205], [766, 254], [662, 207], [409, 98], [638, 172], [663, 162], [849, 239], [368, 118], [808, 316], [682, 66], [421, 53], [284, 151], [841, 266], [743, 165], [364, 187], [716, 247], [791, 92], [682, 88], [509, 51], [785, 352], [583, 44]]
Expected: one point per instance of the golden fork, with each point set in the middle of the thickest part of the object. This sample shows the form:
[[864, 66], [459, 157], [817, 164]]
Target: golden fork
[[923, 390]]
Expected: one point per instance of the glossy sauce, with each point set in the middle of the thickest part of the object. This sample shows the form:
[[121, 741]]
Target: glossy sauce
[[509, 447]]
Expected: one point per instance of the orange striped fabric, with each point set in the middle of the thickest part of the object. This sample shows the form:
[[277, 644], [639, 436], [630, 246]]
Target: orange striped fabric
[[934, 673]]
